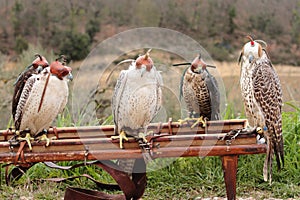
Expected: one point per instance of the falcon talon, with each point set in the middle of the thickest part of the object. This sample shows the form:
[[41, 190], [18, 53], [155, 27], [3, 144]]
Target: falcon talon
[[199, 121], [46, 139], [27, 138], [183, 121], [120, 137]]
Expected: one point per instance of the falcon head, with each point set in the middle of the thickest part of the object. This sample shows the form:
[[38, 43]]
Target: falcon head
[[198, 62], [251, 50], [144, 62], [61, 71], [40, 63]]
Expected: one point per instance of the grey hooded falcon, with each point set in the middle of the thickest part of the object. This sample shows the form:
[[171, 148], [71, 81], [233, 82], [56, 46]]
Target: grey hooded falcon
[[136, 99], [262, 96]]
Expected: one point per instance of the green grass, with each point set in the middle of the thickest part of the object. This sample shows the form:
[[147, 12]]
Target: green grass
[[185, 178]]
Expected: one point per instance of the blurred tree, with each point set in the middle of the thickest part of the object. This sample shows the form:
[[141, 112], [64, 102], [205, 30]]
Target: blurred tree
[[92, 27], [231, 16], [21, 44], [266, 22], [121, 12], [196, 18], [176, 16], [147, 13], [75, 45], [295, 32], [16, 18]]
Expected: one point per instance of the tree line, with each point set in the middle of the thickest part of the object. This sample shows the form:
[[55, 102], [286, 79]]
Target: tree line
[[73, 27]]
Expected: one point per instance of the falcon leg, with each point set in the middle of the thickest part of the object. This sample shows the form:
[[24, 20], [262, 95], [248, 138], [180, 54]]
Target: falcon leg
[[144, 145], [27, 138], [201, 120], [120, 137]]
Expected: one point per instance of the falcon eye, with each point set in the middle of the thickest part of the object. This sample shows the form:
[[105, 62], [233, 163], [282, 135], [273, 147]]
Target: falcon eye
[[38, 79]]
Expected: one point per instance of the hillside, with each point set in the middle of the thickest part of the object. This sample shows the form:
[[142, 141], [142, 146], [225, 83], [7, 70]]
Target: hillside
[[73, 27]]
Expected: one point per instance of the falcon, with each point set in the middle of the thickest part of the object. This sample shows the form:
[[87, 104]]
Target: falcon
[[262, 96], [34, 68], [200, 92], [136, 99], [43, 97]]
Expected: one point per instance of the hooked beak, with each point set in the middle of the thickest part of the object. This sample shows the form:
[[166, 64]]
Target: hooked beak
[[39, 69], [143, 70], [198, 61], [203, 64], [70, 76]]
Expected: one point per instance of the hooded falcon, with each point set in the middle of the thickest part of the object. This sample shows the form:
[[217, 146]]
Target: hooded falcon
[[36, 67], [136, 99], [43, 97], [200, 92], [262, 95]]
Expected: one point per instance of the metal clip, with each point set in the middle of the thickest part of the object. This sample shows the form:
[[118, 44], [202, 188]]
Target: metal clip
[[235, 135], [228, 143], [86, 154]]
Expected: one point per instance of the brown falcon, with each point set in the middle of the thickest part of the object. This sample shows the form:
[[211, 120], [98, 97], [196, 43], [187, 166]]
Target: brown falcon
[[262, 95], [44, 96], [136, 99], [200, 92]]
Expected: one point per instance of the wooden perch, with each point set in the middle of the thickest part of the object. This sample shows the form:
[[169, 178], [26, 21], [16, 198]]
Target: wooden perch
[[168, 140]]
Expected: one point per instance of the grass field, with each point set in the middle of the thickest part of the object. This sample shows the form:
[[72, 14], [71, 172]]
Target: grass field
[[185, 178]]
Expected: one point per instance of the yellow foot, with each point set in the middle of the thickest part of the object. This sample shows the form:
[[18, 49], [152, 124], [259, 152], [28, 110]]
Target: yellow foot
[[184, 121], [143, 136], [45, 138], [200, 120], [27, 138], [120, 137]]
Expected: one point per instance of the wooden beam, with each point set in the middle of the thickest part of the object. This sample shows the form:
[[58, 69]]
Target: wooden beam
[[111, 154], [229, 165], [108, 130]]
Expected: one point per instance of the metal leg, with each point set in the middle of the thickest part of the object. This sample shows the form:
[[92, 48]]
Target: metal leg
[[229, 164]]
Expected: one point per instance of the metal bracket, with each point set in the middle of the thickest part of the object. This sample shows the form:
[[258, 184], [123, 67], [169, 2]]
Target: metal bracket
[[86, 154]]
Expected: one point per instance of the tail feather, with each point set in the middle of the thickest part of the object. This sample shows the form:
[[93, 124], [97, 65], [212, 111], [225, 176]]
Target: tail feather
[[278, 149], [278, 146], [267, 170]]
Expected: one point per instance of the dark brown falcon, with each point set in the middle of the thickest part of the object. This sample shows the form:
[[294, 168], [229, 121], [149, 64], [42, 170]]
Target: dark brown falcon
[[200, 92]]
